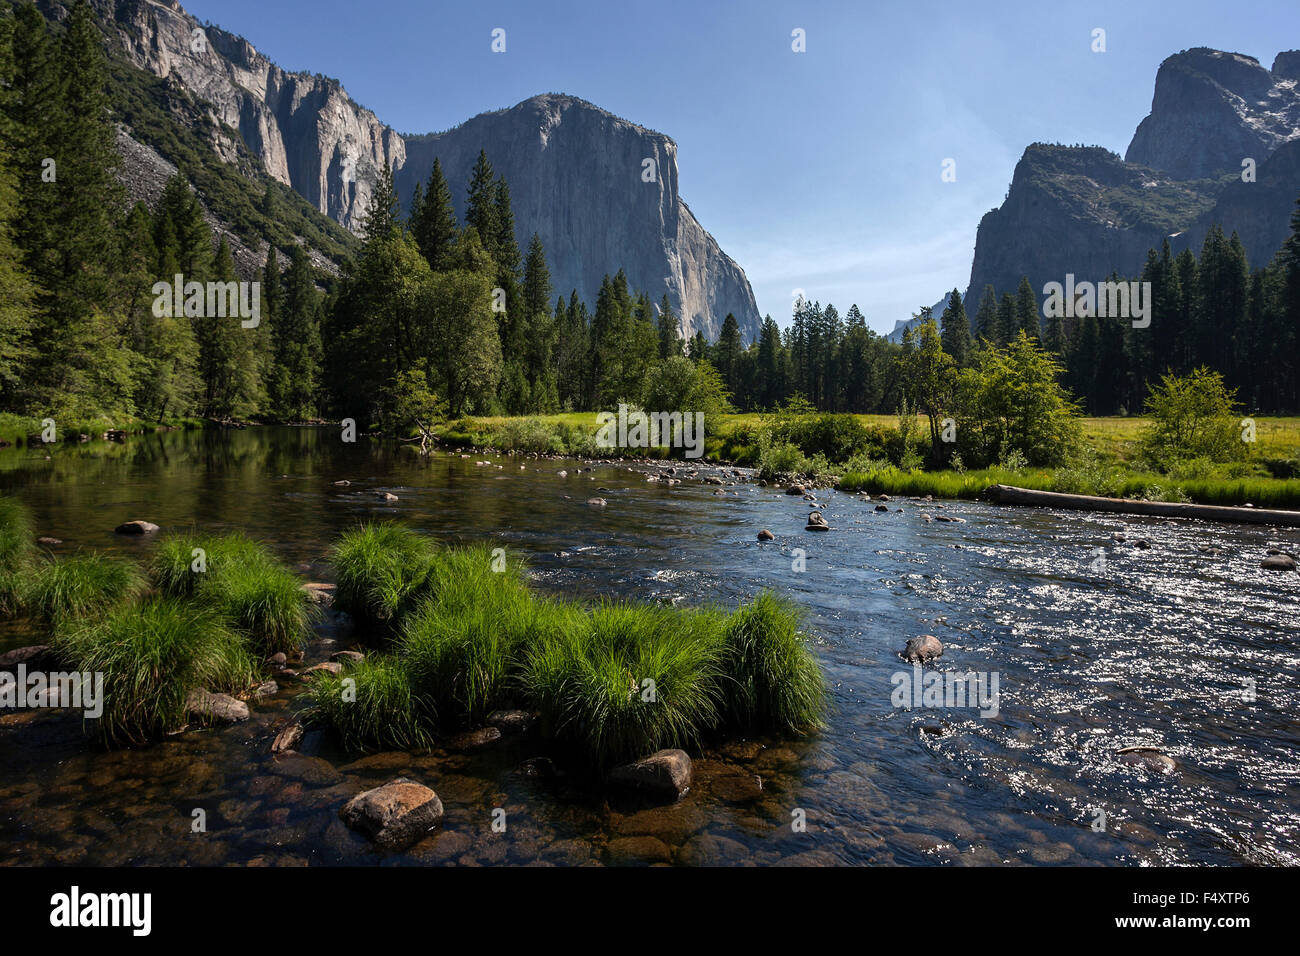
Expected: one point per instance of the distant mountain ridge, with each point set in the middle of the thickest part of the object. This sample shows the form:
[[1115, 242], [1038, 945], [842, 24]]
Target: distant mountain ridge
[[1086, 211], [575, 171]]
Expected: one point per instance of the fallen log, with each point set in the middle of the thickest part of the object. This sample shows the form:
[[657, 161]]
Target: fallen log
[[1010, 495]]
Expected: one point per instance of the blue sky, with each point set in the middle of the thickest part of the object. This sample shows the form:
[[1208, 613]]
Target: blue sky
[[817, 171]]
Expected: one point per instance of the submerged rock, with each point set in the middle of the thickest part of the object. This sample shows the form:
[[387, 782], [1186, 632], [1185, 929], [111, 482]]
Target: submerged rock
[[206, 707], [665, 774], [474, 739], [766, 535], [136, 527], [1148, 758], [395, 815], [320, 592], [289, 738], [922, 649]]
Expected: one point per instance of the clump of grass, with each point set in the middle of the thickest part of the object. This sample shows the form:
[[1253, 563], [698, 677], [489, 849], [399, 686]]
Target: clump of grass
[[17, 555], [152, 655], [461, 645], [383, 572], [635, 679], [776, 682], [380, 709], [263, 600], [82, 585]]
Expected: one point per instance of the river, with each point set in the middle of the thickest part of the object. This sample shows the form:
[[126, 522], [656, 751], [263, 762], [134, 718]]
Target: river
[[1187, 646]]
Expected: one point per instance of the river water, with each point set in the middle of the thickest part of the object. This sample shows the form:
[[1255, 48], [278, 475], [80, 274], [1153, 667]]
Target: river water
[[1096, 645]]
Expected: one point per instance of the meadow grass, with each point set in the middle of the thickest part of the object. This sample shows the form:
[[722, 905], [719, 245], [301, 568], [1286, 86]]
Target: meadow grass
[[83, 585], [262, 599], [17, 555], [152, 654]]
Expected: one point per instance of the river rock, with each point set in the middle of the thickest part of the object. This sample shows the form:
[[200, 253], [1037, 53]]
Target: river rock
[[1142, 544], [205, 707], [395, 815], [342, 484], [922, 649], [266, 689], [474, 739], [882, 507], [325, 667], [347, 657], [766, 535], [320, 592], [1278, 562], [385, 496], [1148, 758], [511, 721], [816, 522], [49, 542], [795, 490], [38, 657], [666, 774], [597, 502], [136, 527], [289, 738]]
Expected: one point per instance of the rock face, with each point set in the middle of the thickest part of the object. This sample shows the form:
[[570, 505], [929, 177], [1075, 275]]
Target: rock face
[[575, 171], [1086, 211], [575, 174], [395, 815], [1213, 109]]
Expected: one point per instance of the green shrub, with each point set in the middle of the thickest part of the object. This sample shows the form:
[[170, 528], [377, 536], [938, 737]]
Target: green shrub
[[84, 584], [152, 655]]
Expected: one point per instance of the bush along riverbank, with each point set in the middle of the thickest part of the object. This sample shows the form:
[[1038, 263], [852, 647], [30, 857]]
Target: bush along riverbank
[[25, 430], [457, 644]]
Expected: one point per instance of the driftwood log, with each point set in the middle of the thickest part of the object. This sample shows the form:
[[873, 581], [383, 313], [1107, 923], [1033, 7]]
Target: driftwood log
[[1010, 495]]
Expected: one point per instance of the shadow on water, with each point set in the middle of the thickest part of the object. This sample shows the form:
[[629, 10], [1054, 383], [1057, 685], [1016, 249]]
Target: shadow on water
[[1096, 645]]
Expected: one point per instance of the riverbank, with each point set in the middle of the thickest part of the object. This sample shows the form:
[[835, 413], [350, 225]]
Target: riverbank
[[1108, 464], [24, 430]]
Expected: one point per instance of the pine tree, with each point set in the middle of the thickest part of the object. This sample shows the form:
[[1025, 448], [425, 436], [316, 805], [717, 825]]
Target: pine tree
[[382, 218], [670, 332], [1027, 319], [17, 291], [481, 205], [956, 336], [296, 343], [986, 318], [433, 220], [1007, 324]]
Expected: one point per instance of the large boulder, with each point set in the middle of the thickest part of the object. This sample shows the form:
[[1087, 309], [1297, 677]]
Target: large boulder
[[666, 774], [922, 649], [395, 815]]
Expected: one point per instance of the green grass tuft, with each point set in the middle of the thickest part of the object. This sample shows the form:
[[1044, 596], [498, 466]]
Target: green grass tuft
[[776, 682], [263, 600], [379, 710], [17, 555], [83, 585], [383, 572], [152, 655]]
